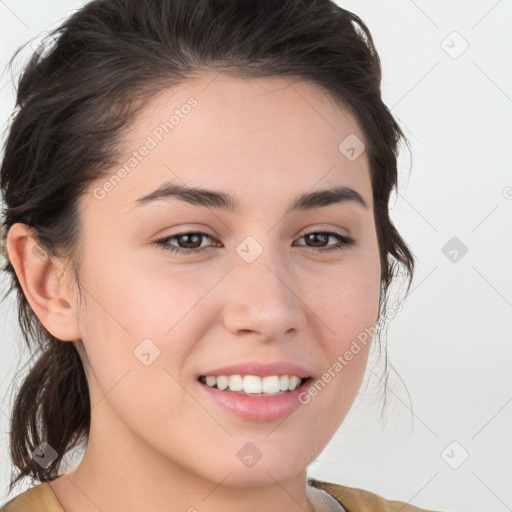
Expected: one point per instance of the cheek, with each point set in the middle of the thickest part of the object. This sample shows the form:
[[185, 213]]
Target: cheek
[[121, 311], [345, 299], [347, 305], [132, 300], [136, 314], [135, 366]]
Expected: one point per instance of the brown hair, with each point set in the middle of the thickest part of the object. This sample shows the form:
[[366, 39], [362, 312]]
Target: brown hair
[[74, 103]]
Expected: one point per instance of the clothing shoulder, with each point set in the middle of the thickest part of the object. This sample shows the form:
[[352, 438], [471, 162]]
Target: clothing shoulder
[[360, 500], [39, 498]]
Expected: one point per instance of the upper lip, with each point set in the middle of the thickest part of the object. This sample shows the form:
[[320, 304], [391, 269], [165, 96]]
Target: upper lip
[[262, 369]]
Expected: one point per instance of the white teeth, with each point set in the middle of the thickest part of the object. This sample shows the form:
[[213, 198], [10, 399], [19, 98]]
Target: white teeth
[[253, 384], [271, 384], [294, 382], [236, 383], [222, 382], [211, 380]]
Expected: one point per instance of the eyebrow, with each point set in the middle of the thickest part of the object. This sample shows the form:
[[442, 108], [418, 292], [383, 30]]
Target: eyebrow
[[215, 199]]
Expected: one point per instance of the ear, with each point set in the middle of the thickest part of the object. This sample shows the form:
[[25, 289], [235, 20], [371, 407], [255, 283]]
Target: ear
[[43, 282]]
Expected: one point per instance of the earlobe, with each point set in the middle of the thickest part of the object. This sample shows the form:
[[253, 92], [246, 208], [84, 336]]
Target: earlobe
[[42, 280]]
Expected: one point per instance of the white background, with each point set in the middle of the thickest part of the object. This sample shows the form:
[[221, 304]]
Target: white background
[[451, 343]]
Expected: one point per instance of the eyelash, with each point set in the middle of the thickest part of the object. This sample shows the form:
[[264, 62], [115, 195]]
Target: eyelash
[[345, 241]]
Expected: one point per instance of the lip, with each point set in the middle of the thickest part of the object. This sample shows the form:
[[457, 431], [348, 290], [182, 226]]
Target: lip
[[261, 369], [258, 409]]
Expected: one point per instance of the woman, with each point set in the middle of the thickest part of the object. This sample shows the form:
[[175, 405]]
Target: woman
[[197, 229]]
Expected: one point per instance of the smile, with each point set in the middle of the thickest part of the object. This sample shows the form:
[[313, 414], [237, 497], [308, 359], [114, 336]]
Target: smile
[[271, 385]]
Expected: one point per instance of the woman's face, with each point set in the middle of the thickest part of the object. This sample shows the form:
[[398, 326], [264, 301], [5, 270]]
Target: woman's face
[[260, 290]]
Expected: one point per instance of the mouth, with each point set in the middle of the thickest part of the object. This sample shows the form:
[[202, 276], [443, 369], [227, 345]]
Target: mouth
[[255, 386], [254, 398], [258, 390]]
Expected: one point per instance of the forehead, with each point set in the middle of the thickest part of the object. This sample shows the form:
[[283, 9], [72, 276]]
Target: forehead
[[248, 137], [237, 107]]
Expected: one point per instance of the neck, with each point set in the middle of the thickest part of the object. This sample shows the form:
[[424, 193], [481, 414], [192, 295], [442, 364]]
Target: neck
[[131, 476]]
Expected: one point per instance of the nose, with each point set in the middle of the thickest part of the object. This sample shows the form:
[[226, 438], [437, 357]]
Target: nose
[[263, 298]]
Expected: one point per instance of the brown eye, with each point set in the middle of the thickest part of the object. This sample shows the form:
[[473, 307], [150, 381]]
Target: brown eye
[[188, 242], [319, 238]]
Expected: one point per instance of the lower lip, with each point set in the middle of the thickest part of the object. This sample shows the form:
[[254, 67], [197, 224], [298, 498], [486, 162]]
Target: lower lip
[[257, 408]]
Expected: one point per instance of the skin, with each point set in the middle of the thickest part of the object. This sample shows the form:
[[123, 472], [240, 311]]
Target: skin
[[156, 442]]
